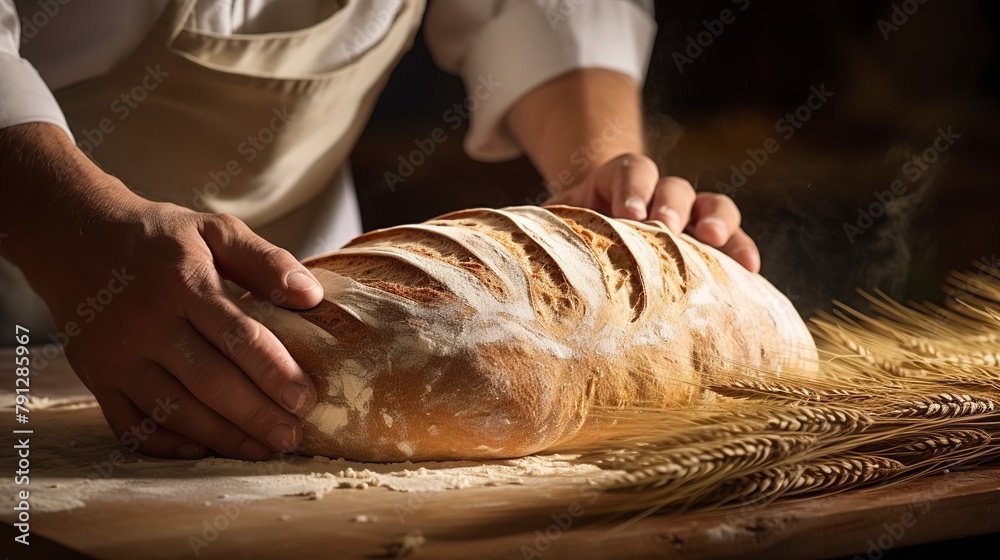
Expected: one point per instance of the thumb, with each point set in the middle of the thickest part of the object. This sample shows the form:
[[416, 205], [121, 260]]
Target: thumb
[[628, 182], [265, 270]]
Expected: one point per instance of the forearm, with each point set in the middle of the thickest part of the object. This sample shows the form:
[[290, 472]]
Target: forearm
[[575, 123], [48, 187]]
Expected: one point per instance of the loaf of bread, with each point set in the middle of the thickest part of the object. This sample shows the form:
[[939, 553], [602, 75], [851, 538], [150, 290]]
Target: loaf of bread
[[494, 333]]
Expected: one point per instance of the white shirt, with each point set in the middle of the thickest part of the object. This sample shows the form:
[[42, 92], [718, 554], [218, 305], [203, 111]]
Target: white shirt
[[49, 44]]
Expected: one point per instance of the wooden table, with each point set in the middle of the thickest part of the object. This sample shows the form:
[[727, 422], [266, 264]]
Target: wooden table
[[486, 522]]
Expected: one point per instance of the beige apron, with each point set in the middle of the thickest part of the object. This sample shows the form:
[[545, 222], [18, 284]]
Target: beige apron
[[235, 124]]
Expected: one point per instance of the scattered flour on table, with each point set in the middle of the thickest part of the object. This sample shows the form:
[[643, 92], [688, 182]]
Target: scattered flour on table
[[63, 482], [75, 461], [227, 480], [7, 400]]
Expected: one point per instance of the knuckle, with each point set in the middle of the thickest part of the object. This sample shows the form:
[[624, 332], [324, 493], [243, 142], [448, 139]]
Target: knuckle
[[200, 382], [633, 158], [240, 336], [256, 413], [222, 436], [718, 202], [226, 222], [683, 184], [188, 277], [679, 186], [224, 227], [647, 163], [270, 257], [173, 410], [713, 197], [140, 319]]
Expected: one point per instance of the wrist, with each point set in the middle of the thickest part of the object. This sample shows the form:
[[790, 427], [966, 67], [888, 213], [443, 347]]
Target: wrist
[[574, 124], [51, 193]]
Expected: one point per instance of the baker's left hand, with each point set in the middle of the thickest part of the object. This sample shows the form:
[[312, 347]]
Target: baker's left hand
[[630, 186]]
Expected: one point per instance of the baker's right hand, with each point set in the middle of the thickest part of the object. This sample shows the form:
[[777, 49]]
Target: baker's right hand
[[178, 368]]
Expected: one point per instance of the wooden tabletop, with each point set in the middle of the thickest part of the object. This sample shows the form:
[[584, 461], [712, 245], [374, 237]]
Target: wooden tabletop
[[536, 521]]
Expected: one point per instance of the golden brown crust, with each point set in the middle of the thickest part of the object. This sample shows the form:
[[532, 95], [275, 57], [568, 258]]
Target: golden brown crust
[[492, 333]]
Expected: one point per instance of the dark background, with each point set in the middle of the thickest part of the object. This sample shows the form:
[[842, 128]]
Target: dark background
[[939, 69]]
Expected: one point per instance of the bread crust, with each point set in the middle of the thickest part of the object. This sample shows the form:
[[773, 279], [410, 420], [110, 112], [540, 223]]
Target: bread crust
[[488, 334]]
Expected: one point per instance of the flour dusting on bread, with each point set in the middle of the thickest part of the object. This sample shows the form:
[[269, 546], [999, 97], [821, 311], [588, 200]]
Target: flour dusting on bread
[[492, 333]]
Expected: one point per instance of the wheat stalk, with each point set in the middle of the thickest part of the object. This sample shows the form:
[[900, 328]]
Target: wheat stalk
[[818, 419], [905, 392], [918, 448], [842, 472], [941, 405], [666, 469], [754, 488], [768, 389]]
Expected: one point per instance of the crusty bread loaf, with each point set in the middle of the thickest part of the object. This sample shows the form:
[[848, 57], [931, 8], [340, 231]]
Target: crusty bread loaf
[[492, 333]]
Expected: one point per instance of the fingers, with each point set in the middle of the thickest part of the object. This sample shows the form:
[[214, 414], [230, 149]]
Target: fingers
[[243, 396], [631, 183], [714, 219], [253, 349], [165, 400], [743, 250], [672, 203], [139, 432], [256, 265], [628, 181]]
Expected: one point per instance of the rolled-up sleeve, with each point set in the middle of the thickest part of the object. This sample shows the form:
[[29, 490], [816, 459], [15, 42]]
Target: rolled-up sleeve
[[503, 49], [24, 97]]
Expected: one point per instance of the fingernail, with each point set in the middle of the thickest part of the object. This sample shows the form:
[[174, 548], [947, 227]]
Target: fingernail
[[717, 226], [282, 438], [636, 207], [294, 395], [671, 219], [191, 450], [299, 280], [253, 450]]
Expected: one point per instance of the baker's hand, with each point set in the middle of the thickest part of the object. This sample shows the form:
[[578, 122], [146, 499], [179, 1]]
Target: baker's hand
[[630, 186], [136, 289], [178, 368]]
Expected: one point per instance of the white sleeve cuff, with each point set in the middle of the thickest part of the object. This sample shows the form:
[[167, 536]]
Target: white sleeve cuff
[[25, 96], [525, 46]]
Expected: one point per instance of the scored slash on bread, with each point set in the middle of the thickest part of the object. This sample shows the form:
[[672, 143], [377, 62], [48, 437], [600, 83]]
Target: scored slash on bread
[[487, 334]]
